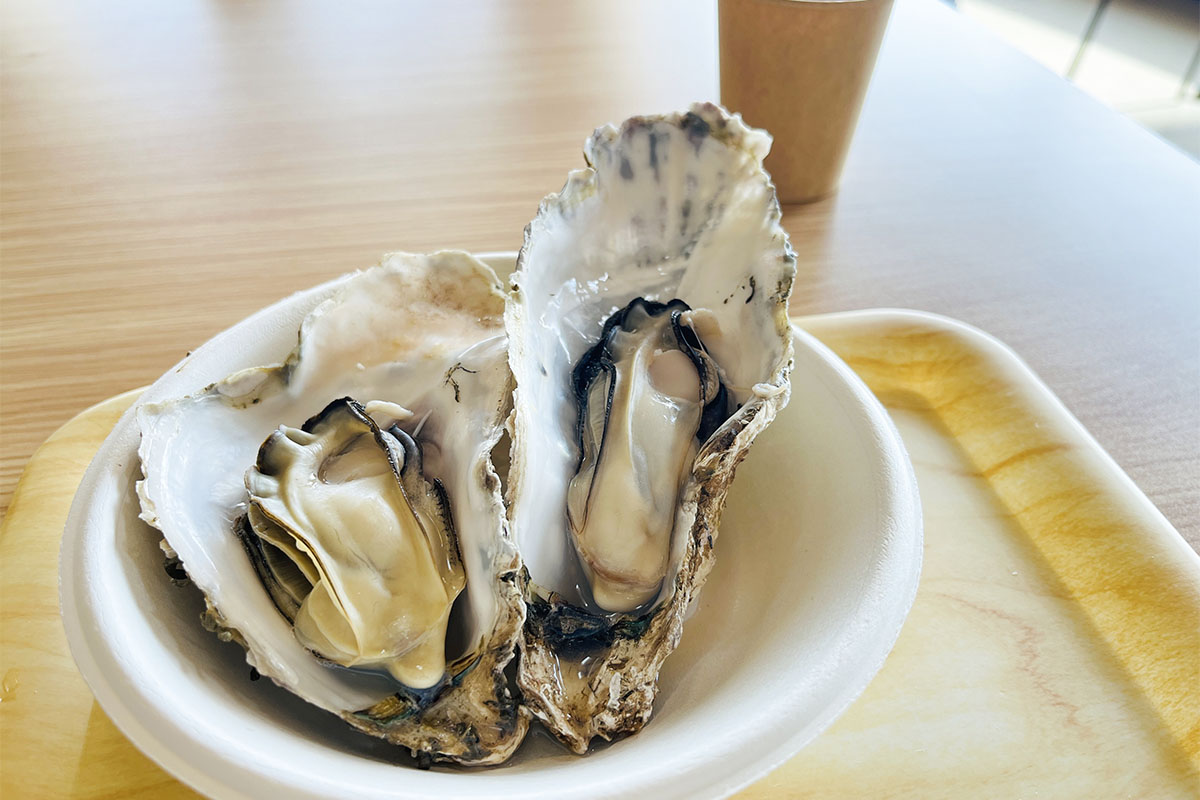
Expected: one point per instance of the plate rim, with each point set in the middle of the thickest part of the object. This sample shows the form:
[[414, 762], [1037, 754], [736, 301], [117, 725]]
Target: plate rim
[[904, 503]]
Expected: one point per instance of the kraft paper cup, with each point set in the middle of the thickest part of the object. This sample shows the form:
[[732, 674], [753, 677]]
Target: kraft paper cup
[[800, 69]]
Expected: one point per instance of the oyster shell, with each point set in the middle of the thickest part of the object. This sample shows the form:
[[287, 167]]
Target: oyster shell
[[418, 343], [674, 209]]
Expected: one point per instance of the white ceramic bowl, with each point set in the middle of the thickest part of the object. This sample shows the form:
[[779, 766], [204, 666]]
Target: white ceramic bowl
[[817, 566]]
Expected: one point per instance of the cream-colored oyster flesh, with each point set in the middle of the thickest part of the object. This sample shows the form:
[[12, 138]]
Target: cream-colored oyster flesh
[[390, 515], [642, 392], [671, 208], [373, 551]]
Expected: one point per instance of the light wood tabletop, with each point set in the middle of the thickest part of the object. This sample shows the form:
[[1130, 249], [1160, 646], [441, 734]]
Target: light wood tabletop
[[170, 168]]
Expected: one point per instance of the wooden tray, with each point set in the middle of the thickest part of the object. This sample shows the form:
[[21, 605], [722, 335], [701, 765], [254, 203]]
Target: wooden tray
[[1053, 650]]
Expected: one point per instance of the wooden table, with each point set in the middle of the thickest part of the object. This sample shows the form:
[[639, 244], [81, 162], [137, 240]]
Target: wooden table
[[170, 168]]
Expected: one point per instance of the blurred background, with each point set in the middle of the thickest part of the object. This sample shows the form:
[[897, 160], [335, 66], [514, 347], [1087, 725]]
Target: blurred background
[[1138, 56]]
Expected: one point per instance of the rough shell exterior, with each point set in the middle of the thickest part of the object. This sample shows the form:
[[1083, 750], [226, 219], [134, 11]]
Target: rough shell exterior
[[670, 206]]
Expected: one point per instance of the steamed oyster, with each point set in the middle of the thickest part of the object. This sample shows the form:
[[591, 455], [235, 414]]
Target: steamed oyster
[[650, 344], [354, 545], [647, 394], [363, 559]]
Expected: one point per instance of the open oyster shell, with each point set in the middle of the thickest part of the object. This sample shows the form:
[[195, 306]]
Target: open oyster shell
[[418, 343], [675, 207]]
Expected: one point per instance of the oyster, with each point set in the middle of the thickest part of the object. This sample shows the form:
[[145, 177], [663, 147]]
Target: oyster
[[647, 393], [363, 558], [650, 344], [355, 547]]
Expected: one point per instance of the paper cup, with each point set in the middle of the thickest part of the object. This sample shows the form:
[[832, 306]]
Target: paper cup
[[800, 69]]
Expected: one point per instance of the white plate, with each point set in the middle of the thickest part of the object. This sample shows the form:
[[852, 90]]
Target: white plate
[[817, 566]]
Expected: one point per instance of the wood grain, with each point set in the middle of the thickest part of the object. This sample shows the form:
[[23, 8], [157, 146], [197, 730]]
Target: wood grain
[[55, 740], [169, 168]]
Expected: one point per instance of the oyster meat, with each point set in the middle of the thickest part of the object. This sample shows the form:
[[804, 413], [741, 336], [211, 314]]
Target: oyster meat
[[650, 344], [355, 547], [341, 513], [647, 393]]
